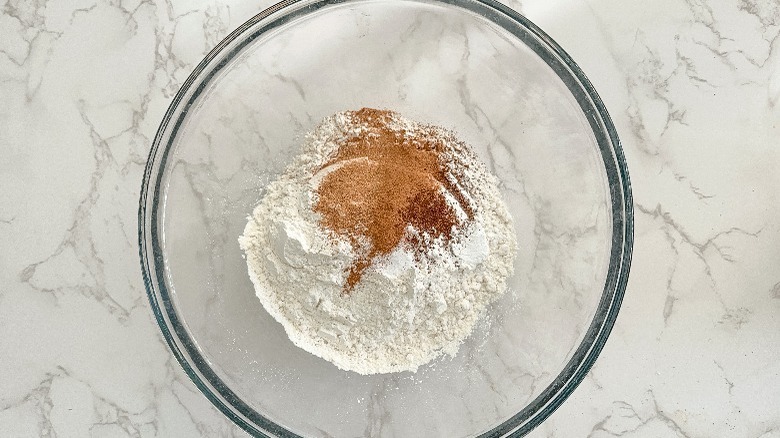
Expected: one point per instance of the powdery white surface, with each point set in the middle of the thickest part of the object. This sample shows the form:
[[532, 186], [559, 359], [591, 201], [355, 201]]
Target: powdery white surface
[[404, 312]]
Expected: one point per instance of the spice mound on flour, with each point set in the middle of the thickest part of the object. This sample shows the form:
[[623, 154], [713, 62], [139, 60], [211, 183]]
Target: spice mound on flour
[[382, 244], [389, 180]]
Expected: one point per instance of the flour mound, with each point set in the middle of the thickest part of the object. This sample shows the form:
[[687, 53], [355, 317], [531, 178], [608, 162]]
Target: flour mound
[[408, 308]]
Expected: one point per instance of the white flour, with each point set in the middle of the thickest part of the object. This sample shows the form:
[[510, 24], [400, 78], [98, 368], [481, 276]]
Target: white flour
[[404, 312]]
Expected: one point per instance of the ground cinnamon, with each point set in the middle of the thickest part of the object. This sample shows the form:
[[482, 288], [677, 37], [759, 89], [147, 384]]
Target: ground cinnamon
[[387, 179]]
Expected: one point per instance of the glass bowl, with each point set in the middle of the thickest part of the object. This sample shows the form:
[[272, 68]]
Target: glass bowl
[[474, 66]]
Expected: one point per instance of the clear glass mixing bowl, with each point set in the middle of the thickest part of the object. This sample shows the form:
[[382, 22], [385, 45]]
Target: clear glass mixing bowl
[[474, 66]]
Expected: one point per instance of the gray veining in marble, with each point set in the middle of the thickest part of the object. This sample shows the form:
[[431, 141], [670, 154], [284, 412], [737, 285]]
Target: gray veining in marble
[[693, 89]]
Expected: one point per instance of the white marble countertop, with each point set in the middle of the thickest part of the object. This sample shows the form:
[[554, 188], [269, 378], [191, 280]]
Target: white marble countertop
[[692, 86]]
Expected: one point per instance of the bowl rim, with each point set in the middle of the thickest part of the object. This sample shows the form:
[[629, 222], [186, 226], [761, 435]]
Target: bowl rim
[[152, 260]]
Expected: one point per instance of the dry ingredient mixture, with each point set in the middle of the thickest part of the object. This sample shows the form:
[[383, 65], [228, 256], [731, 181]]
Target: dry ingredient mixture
[[382, 244]]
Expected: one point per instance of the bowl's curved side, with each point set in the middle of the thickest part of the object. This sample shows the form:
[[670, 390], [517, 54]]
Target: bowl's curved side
[[622, 221], [150, 239]]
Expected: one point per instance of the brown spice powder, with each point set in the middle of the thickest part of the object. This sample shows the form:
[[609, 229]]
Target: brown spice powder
[[387, 180]]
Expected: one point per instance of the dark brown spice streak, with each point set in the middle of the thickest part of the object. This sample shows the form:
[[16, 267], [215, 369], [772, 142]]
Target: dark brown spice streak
[[387, 180]]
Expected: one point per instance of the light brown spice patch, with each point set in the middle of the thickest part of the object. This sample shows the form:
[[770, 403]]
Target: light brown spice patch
[[387, 179]]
